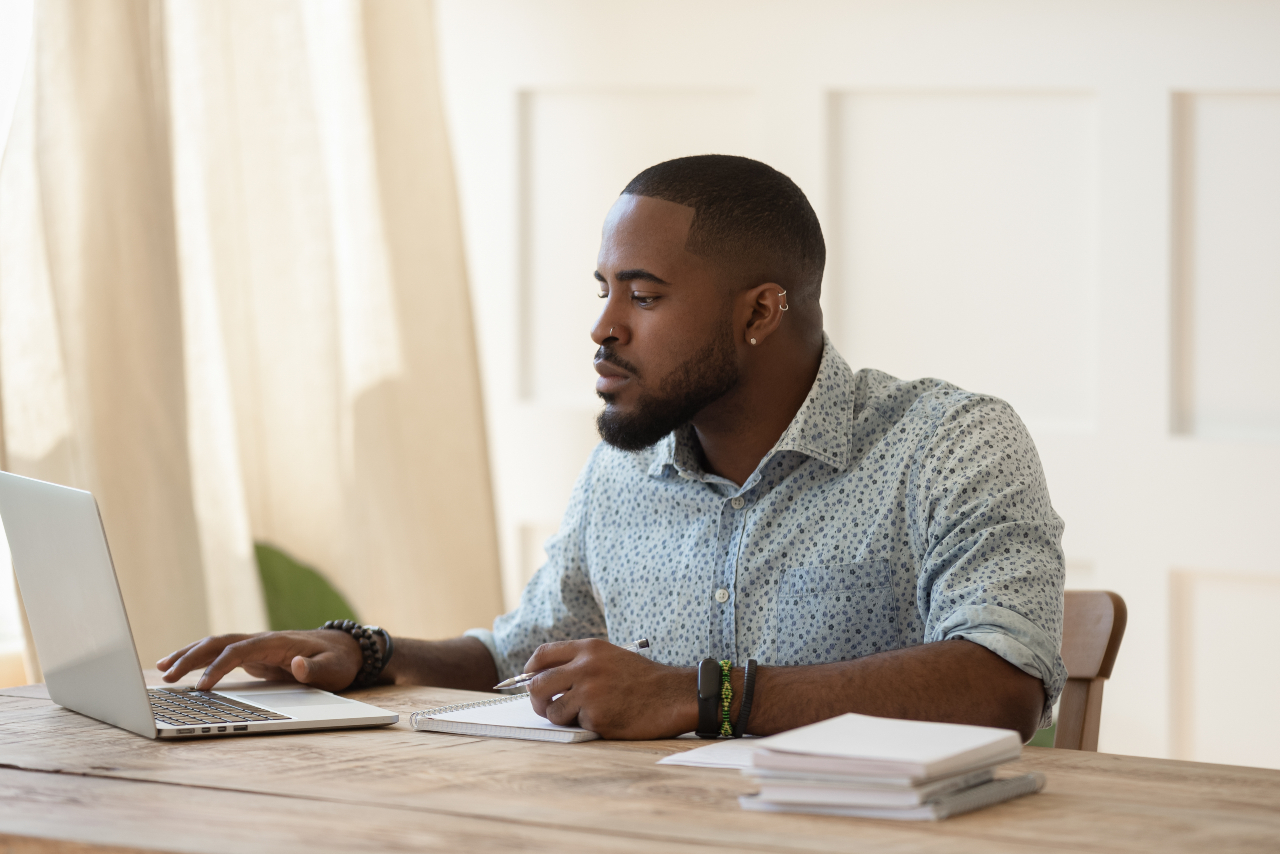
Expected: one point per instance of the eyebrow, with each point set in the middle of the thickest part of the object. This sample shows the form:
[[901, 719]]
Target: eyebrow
[[633, 276]]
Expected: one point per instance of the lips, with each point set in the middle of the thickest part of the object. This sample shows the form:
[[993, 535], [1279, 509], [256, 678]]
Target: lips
[[612, 378]]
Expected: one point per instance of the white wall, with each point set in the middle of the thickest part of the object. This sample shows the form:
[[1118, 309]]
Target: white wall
[[1074, 205]]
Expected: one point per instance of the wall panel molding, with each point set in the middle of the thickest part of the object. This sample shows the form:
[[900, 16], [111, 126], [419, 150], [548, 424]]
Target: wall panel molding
[[1226, 257], [964, 236], [1223, 648]]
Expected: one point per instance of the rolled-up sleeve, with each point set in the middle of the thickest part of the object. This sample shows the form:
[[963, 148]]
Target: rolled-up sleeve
[[558, 603], [989, 541]]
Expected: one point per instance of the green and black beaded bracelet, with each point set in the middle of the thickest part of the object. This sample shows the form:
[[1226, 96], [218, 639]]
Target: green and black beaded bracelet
[[726, 698]]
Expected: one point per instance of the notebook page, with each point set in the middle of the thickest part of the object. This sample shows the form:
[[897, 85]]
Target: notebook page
[[517, 713], [865, 737]]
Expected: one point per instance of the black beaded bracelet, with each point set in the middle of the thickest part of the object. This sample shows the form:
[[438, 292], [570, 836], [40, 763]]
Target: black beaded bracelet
[[748, 691], [373, 660]]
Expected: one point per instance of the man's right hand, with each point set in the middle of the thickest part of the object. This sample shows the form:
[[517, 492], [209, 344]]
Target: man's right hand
[[324, 658]]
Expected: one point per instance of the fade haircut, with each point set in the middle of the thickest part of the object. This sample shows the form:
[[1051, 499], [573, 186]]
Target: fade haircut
[[746, 214]]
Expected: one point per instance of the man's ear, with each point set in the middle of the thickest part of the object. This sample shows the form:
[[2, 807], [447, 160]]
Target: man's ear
[[768, 307]]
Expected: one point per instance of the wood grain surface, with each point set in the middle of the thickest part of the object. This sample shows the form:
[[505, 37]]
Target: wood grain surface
[[66, 777]]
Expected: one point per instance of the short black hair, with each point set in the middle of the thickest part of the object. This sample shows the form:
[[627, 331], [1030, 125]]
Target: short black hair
[[745, 213]]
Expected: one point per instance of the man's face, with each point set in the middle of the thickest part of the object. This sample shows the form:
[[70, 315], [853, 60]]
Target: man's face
[[665, 334]]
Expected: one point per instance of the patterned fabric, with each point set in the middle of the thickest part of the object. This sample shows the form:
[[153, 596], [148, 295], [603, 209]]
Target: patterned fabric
[[890, 513]]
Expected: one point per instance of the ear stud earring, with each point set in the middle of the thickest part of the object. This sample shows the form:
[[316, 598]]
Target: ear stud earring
[[753, 340]]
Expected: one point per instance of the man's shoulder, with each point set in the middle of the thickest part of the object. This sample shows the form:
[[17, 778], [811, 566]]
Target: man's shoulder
[[920, 404]]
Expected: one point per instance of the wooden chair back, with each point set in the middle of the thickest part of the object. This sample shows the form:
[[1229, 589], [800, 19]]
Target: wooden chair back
[[1092, 627]]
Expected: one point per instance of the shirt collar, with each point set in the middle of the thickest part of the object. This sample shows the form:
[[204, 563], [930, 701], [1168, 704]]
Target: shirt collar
[[676, 450], [822, 427]]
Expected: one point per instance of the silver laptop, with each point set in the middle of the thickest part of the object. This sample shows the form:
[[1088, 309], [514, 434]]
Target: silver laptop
[[86, 650]]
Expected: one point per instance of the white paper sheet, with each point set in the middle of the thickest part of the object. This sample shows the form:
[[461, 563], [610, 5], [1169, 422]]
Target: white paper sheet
[[725, 753]]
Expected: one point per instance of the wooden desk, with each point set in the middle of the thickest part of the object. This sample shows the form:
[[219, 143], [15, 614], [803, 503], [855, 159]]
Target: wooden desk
[[70, 784]]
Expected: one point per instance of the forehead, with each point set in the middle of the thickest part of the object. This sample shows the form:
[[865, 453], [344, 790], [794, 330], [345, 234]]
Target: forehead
[[640, 231]]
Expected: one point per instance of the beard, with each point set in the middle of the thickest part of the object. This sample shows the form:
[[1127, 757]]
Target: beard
[[695, 384]]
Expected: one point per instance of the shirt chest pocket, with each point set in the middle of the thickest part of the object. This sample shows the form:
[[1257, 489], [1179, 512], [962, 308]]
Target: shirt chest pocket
[[835, 612]]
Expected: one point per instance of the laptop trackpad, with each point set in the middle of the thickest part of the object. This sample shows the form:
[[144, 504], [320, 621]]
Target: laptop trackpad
[[288, 699]]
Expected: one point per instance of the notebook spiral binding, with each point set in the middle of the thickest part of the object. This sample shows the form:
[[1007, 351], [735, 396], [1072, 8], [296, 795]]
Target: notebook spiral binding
[[461, 707]]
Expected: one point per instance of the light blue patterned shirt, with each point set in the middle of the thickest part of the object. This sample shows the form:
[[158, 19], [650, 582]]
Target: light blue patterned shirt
[[890, 513]]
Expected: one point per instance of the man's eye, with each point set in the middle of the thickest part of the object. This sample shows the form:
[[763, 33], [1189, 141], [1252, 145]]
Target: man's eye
[[643, 301]]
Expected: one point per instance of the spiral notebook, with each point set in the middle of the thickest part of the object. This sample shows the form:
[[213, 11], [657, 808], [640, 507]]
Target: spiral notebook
[[502, 717]]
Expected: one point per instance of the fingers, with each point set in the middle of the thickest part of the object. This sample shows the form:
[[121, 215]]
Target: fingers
[[561, 652], [560, 665], [326, 659], [167, 662], [564, 672], [195, 655], [563, 710], [257, 650], [611, 691], [547, 686], [553, 696], [549, 662]]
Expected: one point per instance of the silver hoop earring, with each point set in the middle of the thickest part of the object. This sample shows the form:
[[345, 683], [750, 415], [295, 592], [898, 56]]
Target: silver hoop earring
[[785, 307]]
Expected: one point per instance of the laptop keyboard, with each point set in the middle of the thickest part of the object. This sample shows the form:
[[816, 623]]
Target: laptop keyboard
[[191, 708]]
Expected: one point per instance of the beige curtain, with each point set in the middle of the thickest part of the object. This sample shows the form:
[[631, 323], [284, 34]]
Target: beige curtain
[[233, 305]]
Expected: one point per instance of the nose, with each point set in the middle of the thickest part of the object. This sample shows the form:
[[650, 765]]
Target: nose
[[609, 326]]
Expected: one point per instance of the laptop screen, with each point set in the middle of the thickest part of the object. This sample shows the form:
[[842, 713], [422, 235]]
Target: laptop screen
[[68, 585]]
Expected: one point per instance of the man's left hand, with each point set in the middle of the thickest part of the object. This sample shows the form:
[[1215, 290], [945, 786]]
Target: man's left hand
[[613, 692]]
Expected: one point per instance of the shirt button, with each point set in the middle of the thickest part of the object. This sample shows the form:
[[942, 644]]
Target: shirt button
[[722, 595], [737, 503]]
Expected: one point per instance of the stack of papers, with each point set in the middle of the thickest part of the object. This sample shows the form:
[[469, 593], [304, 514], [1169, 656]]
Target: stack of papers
[[870, 767]]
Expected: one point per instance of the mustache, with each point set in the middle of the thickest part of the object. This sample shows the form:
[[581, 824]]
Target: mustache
[[607, 354]]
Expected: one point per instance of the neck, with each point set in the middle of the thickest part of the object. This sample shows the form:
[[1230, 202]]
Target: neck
[[739, 429]]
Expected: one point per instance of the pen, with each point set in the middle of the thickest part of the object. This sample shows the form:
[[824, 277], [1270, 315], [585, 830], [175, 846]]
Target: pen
[[524, 678]]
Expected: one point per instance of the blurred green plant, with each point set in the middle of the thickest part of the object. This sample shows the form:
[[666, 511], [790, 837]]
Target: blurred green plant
[[297, 596], [1044, 737]]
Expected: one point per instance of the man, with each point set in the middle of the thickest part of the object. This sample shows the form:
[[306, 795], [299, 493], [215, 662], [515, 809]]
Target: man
[[879, 546]]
